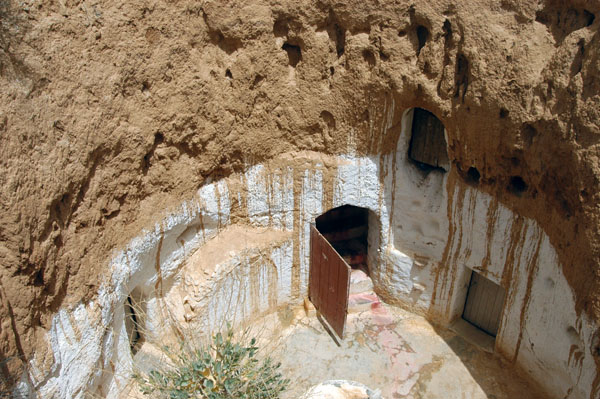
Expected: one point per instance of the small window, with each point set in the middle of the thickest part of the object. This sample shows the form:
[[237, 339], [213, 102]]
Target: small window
[[427, 147]]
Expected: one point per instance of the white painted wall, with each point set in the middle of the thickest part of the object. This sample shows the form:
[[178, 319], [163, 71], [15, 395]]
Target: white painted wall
[[425, 236], [250, 282]]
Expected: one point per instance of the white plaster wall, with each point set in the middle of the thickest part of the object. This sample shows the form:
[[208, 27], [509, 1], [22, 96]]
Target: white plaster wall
[[436, 239], [271, 199], [251, 282], [539, 323], [556, 341], [540, 330], [88, 341], [431, 233]]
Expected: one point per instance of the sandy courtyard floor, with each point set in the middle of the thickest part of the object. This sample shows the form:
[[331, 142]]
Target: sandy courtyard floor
[[385, 348], [389, 349]]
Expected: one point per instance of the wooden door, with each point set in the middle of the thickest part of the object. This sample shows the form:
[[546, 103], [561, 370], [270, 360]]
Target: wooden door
[[428, 143], [484, 304], [329, 282]]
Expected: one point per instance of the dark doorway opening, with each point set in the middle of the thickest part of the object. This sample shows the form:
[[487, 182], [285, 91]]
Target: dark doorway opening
[[346, 228], [132, 324]]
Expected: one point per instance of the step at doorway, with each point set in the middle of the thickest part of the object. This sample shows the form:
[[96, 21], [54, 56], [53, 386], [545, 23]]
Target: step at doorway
[[484, 304]]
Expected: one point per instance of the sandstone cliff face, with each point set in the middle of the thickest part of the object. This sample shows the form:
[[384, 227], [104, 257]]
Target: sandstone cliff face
[[112, 113]]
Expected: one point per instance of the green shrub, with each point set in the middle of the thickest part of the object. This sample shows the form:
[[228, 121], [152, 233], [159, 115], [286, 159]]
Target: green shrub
[[223, 369]]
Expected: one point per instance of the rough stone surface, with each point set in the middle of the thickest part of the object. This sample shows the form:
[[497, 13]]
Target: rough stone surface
[[341, 389], [112, 114]]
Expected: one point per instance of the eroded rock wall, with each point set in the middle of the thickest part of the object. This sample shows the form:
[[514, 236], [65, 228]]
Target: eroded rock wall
[[113, 113]]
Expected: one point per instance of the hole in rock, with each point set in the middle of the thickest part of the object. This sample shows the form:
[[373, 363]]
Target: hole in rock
[[257, 80], [589, 17], [38, 280], [577, 63], [146, 162], [228, 74], [517, 185], [447, 29], [228, 44], [461, 77], [596, 344], [329, 120], [294, 53], [422, 36], [340, 40], [562, 18], [473, 175], [427, 148]]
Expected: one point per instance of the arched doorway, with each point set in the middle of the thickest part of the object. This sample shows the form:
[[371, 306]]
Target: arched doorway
[[347, 228]]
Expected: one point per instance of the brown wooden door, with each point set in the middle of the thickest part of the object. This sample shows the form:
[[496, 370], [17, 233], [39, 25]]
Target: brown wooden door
[[329, 282], [428, 143], [484, 304]]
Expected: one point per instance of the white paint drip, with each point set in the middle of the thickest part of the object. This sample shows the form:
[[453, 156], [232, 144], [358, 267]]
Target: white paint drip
[[311, 206]]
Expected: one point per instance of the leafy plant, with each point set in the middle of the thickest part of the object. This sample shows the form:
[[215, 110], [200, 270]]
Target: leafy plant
[[223, 369]]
